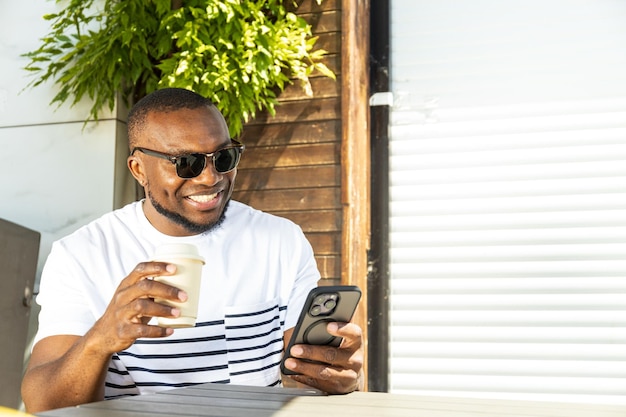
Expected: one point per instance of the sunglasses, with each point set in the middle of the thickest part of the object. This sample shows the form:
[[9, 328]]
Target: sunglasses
[[191, 165]]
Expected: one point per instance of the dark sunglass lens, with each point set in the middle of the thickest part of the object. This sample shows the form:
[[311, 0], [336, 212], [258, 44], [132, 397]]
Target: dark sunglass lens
[[190, 166], [226, 159]]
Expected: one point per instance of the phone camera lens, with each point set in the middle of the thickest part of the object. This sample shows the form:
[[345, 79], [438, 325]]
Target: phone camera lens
[[330, 304], [319, 300], [316, 310]]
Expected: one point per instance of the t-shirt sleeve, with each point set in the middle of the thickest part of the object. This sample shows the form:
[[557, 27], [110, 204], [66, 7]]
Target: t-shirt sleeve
[[307, 278], [65, 309]]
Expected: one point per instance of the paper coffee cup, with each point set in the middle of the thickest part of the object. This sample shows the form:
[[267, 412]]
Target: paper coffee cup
[[187, 278]]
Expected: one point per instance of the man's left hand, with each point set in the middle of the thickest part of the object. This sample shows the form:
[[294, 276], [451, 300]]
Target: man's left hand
[[335, 370]]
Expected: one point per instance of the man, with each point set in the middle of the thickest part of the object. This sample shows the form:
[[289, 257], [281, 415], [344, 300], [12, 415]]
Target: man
[[98, 336]]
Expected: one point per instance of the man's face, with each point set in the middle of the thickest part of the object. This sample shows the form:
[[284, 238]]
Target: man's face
[[177, 206]]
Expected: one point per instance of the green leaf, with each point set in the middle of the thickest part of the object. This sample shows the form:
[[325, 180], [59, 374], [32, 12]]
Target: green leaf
[[238, 53]]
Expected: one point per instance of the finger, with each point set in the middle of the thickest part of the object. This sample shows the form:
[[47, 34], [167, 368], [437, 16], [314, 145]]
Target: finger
[[312, 371], [340, 357], [142, 309], [322, 354], [351, 333], [137, 331], [146, 288], [149, 288], [327, 378], [146, 270], [347, 355]]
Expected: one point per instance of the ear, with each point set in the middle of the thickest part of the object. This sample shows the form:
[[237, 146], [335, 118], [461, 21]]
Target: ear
[[135, 166]]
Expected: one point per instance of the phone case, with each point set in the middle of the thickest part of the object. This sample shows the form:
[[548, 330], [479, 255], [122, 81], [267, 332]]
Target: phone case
[[323, 305]]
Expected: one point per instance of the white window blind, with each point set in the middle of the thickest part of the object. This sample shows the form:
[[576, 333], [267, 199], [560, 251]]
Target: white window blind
[[508, 199]]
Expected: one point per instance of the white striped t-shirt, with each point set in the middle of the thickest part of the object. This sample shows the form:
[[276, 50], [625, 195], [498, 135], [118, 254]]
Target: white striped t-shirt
[[258, 271]]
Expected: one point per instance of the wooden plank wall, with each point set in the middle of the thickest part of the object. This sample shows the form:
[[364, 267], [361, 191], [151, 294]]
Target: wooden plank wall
[[292, 163]]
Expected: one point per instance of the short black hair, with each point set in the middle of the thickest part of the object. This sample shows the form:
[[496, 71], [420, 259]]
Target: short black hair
[[162, 101]]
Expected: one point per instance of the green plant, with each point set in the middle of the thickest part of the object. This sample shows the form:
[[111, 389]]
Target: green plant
[[237, 52]]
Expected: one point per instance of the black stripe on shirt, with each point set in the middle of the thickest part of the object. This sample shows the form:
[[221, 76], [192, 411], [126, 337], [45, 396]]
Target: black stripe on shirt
[[174, 355], [276, 352], [177, 371], [172, 341], [254, 336], [178, 385], [254, 313], [251, 371]]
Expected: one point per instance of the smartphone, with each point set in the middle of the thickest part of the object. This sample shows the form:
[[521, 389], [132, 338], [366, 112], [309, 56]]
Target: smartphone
[[323, 305]]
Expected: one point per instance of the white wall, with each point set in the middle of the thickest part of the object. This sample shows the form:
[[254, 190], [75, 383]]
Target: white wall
[[56, 173]]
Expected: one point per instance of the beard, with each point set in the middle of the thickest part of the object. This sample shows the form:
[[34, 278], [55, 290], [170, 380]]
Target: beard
[[191, 227]]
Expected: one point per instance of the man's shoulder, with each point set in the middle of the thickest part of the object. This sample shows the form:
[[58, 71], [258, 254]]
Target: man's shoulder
[[244, 213], [122, 218]]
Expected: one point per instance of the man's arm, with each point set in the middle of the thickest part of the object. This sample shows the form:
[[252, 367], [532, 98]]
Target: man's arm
[[336, 370], [69, 370], [63, 370]]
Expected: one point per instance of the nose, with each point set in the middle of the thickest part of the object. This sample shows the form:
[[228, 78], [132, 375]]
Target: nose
[[209, 174]]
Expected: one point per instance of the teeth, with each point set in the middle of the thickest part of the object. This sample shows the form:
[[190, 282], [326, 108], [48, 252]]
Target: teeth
[[202, 198]]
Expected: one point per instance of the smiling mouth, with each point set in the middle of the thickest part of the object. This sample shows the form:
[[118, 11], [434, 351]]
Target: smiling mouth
[[204, 198]]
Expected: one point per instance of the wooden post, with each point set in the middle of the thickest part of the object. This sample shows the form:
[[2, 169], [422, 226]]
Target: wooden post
[[355, 152]]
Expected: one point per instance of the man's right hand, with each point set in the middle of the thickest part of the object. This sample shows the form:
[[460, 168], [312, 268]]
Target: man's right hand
[[132, 306], [68, 370]]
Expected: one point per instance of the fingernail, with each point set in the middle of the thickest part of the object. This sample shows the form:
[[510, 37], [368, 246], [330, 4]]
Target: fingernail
[[170, 268], [297, 351], [332, 327], [175, 312], [290, 364], [182, 296]]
